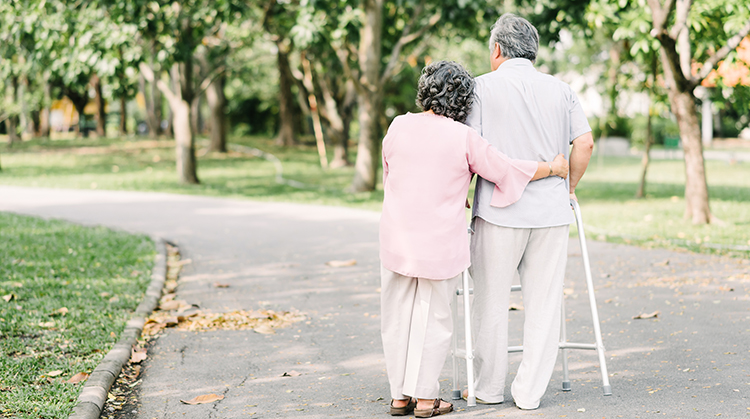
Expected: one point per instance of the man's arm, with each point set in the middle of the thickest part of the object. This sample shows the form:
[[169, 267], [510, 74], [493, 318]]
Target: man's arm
[[580, 155]]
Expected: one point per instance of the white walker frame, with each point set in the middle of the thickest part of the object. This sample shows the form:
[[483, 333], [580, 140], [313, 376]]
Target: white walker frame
[[468, 352]]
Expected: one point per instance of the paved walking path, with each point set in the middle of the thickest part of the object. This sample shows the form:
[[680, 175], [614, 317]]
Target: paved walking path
[[692, 361]]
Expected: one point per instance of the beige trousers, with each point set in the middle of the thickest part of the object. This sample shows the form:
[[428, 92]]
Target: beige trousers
[[416, 328], [539, 255]]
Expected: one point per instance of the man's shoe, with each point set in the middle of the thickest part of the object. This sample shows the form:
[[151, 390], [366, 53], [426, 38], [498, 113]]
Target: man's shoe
[[465, 395]]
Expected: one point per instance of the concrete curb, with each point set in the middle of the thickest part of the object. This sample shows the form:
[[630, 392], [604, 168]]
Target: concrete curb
[[94, 393]]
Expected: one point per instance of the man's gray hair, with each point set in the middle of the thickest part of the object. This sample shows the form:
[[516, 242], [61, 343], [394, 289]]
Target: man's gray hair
[[516, 36]]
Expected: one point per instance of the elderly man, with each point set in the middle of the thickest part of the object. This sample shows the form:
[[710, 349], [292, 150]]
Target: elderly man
[[533, 116]]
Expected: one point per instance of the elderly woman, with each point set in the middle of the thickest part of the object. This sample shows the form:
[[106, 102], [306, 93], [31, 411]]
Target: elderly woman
[[428, 162]]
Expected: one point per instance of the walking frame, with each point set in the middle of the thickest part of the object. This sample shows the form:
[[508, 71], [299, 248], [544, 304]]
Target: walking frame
[[468, 352]]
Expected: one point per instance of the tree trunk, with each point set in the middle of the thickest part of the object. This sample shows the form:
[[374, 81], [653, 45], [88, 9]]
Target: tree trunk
[[11, 124], [286, 136], [27, 119], [184, 138], [217, 106], [152, 97], [339, 117], [696, 188], [123, 115], [182, 124], [195, 115], [641, 193], [370, 98], [101, 116], [44, 123]]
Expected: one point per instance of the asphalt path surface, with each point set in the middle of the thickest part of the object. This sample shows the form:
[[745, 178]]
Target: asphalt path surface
[[691, 361]]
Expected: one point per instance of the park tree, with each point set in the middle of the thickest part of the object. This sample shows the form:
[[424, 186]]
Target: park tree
[[694, 37], [179, 28], [691, 37], [278, 22], [372, 39]]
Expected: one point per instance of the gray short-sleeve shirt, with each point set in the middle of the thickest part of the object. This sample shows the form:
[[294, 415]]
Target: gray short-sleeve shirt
[[532, 116]]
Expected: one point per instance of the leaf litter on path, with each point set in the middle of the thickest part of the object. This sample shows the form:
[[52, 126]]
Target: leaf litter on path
[[261, 321], [341, 263], [205, 398], [647, 315], [137, 356]]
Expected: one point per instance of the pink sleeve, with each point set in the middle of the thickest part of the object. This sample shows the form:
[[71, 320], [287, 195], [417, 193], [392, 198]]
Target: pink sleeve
[[510, 176]]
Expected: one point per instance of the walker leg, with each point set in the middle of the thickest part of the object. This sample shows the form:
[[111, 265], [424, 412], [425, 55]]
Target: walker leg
[[471, 399], [592, 300], [456, 394], [563, 340]]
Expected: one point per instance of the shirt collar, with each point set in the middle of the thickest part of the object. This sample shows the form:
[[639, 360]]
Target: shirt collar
[[516, 63]]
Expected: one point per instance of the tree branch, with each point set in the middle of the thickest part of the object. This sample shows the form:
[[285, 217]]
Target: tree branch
[[682, 11], [215, 74], [403, 41], [148, 74], [660, 15], [722, 53], [343, 56]]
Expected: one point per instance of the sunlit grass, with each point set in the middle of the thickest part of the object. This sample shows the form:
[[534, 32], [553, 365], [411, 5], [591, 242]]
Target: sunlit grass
[[148, 165], [69, 290]]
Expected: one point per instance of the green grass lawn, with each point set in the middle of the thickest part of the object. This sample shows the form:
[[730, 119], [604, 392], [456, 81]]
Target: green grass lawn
[[69, 290], [610, 210], [606, 192], [149, 165]]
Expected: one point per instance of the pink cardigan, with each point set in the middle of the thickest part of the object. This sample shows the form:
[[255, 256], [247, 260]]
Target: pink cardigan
[[428, 161]]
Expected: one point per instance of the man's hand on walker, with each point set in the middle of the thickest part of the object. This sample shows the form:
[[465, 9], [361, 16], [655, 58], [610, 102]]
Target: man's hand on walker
[[573, 196], [560, 166]]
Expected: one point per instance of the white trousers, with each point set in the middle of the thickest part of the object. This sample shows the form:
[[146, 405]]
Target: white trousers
[[539, 255], [416, 328]]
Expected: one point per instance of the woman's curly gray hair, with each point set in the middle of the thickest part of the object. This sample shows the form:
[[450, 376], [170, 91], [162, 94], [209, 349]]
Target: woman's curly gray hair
[[446, 88]]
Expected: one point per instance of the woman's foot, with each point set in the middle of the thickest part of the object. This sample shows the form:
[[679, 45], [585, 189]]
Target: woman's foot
[[402, 407], [427, 408]]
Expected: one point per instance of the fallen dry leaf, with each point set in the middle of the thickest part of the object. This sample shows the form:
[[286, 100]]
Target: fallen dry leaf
[[647, 315], [172, 305], [9, 297], [221, 285], [178, 263], [662, 263], [60, 312], [291, 373], [515, 307], [264, 329], [205, 398], [137, 356], [47, 324], [171, 322], [54, 373], [341, 263], [81, 376]]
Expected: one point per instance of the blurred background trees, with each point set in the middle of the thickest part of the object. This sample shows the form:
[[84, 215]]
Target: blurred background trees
[[334, 73]]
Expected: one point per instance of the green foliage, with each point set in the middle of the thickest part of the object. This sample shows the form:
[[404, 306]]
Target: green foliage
[[98, 275]]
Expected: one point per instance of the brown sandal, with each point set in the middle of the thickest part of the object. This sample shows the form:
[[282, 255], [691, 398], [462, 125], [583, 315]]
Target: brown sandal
[[435, 411], [405, 410]]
